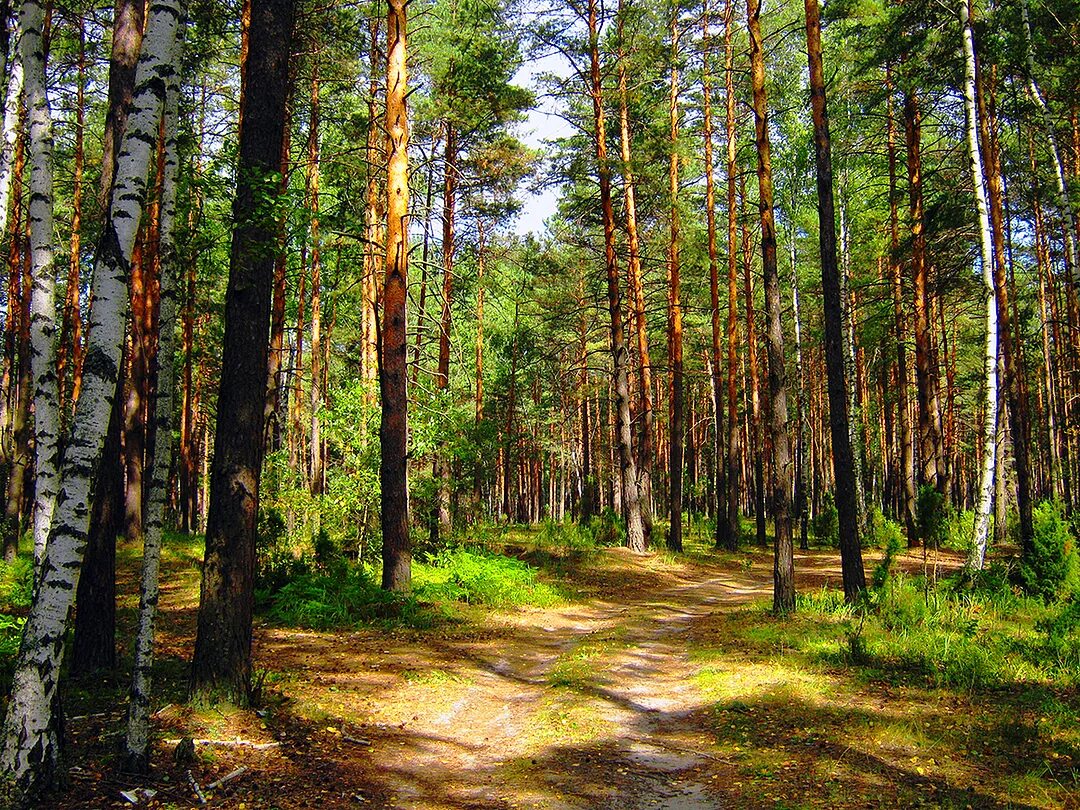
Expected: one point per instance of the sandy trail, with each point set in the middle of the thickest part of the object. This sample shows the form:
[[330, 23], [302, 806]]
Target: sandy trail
[[588, 706]]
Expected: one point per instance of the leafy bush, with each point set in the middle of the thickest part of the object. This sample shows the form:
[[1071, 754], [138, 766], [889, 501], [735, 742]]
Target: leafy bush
[[931, 516], [608, 528], [345, 597], [16, 584], [1052, 569], [826, 522], [883, 532], [482, 578]]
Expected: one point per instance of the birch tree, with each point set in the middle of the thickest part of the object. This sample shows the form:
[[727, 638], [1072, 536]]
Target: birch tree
[[43, 274], [10, 134], [986, 255], [30, 747], [137, 739]]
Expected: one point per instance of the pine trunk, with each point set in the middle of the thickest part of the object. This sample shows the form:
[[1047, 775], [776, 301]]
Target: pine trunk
[[221, 666], [783, 563]]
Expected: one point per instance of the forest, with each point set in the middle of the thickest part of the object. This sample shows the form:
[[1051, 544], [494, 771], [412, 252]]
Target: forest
[[547, 403]]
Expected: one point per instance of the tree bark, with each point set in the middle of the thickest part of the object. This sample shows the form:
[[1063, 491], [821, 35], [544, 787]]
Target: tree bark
[[731, 534], [986, 245], [675, 320], [136, 757], [844, 468], [620, 356], [393, 430], [784, 561], [31, 749], [221, 666]]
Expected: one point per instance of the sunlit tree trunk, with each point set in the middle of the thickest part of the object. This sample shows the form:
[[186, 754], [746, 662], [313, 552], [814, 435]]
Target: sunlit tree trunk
[[221, 665], [628, 477], [986, 255], [907, 451], [137, 739], [733, 478], [393, 431], [637, 294], [675, 319], [844, 468], [315, 451], [783, 562]]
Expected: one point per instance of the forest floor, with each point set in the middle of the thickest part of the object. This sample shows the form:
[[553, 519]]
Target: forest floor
[[662, 683]]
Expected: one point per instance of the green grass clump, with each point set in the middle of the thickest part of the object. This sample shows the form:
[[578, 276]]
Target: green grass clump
[[479, 577], [343, 594], [16, 584], [343, 597]]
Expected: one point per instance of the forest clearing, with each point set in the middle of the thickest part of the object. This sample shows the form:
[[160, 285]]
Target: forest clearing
[[490, 403], [655, 683]]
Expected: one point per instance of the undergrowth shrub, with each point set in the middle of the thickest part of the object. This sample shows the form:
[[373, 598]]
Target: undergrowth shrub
[[931, 516], [883, 532], [16, 584], [826, 523], [608, 528], [1052, 569], [483, 578], [344, 594]]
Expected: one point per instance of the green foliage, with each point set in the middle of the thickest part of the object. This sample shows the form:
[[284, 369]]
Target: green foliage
[[608, 528], [883, 532], [894, 543], [931, 516], [826, 522], [344, 594], [570, 536], [16, 584], [1052, 568], [480, 577]]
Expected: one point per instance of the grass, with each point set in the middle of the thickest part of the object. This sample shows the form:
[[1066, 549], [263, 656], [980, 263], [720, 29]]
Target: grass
[[942, 686], [346, 595]]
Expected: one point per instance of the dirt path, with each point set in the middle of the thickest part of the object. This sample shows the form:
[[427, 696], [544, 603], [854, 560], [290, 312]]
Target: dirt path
[[581, 707]]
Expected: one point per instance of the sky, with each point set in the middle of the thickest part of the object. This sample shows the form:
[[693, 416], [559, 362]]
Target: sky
[[542, 124]]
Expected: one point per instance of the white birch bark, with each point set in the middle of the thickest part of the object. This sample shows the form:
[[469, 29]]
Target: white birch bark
[[30, 738], [986, 246], [137, 741], [10, 133], [42, 274], [1067, 213]]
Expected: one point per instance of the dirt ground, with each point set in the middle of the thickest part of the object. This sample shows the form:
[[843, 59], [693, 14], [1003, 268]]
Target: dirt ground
[[599, 704]]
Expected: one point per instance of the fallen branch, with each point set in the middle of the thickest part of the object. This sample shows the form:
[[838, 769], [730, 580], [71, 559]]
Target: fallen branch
[[355, 740], [237, 743], [195, 786], [218, 783]]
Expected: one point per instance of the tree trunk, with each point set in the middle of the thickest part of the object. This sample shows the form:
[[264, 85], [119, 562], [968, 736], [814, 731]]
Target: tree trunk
[[986, 245], [619, 355], [136, 757], [908, 499], [441, 523], [784, 563], [315, 454], [675, 322], [733, 479], [929, 415], [637, 296], [844, 468], [221, 665], [31, 732], [393, 430]]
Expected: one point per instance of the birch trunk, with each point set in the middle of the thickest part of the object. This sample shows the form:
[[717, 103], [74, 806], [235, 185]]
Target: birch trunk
[[986, 245], [10, 134], [137, 742], [43, 273], [31, 744]]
